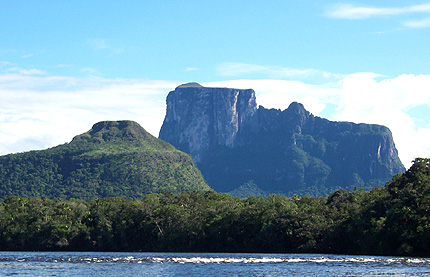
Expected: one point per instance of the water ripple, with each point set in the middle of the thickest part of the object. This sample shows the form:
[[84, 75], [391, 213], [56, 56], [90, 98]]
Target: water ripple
[[219, 260]]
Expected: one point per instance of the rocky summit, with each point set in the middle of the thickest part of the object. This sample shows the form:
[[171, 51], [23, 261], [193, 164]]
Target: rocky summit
[[238, 145]]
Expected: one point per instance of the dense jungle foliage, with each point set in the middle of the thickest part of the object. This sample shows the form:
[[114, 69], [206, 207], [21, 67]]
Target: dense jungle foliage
[[114, 158], [390, 220]]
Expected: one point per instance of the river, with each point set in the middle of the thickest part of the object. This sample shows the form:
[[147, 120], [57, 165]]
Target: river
[[205, 264]]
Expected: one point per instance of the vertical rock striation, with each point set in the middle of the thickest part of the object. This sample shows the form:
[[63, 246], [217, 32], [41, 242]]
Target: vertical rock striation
[[199, 119], [292, 151]]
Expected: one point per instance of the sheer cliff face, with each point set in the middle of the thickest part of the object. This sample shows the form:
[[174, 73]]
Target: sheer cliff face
[[200, 118], [290, 151]]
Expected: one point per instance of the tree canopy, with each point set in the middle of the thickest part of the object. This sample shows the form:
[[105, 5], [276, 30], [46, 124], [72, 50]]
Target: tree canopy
[[389, 220]]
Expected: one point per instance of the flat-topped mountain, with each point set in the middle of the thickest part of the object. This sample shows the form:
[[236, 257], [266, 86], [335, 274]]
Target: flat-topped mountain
[[114, 158], [235, 143]]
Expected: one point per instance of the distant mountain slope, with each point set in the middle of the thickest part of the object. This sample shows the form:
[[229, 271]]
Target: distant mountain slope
[[114, 158], [235, 143]]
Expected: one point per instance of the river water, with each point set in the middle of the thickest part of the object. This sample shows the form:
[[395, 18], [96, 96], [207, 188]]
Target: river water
[[205, 264]]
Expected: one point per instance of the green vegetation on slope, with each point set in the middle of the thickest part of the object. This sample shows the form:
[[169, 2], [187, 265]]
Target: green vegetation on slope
[[112, 159], [390, 220]]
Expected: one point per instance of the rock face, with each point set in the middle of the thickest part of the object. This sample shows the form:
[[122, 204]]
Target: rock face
[[292, 151], [199, 119]]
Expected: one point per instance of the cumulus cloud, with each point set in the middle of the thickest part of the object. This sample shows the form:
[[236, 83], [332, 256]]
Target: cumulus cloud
[[359, 98], [387, 102], [279, 94], [349, 11], [37, 112]]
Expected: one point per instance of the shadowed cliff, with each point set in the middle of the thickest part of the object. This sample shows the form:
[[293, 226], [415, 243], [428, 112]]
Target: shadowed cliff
[[235, 144]]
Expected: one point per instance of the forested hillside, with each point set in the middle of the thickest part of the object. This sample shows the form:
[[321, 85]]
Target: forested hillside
[[114, 158], [389, 220]]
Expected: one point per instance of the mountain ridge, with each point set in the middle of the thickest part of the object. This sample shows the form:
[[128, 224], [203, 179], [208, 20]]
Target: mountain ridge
[[114, 158], [292, 151]]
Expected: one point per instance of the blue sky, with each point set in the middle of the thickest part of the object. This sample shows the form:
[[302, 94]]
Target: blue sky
[[189, 39], [65, 65]]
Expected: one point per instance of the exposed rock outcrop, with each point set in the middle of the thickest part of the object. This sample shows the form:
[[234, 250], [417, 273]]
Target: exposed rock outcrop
[[199, 119], [292, 151]]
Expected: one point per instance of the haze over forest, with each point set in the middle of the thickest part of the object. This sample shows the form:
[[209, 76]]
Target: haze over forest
[[67, 65]]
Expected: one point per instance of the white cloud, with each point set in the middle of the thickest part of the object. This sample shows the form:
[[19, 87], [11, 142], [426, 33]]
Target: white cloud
[[279, 94], [98, 44], [348, 11], [231, 69], [92, 72], [62, 66], [39, 111], [32, 71], [423, 23], [386, 102], [357, 98], [8, 69], [27, 56], [16, 81], [4, 63]]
